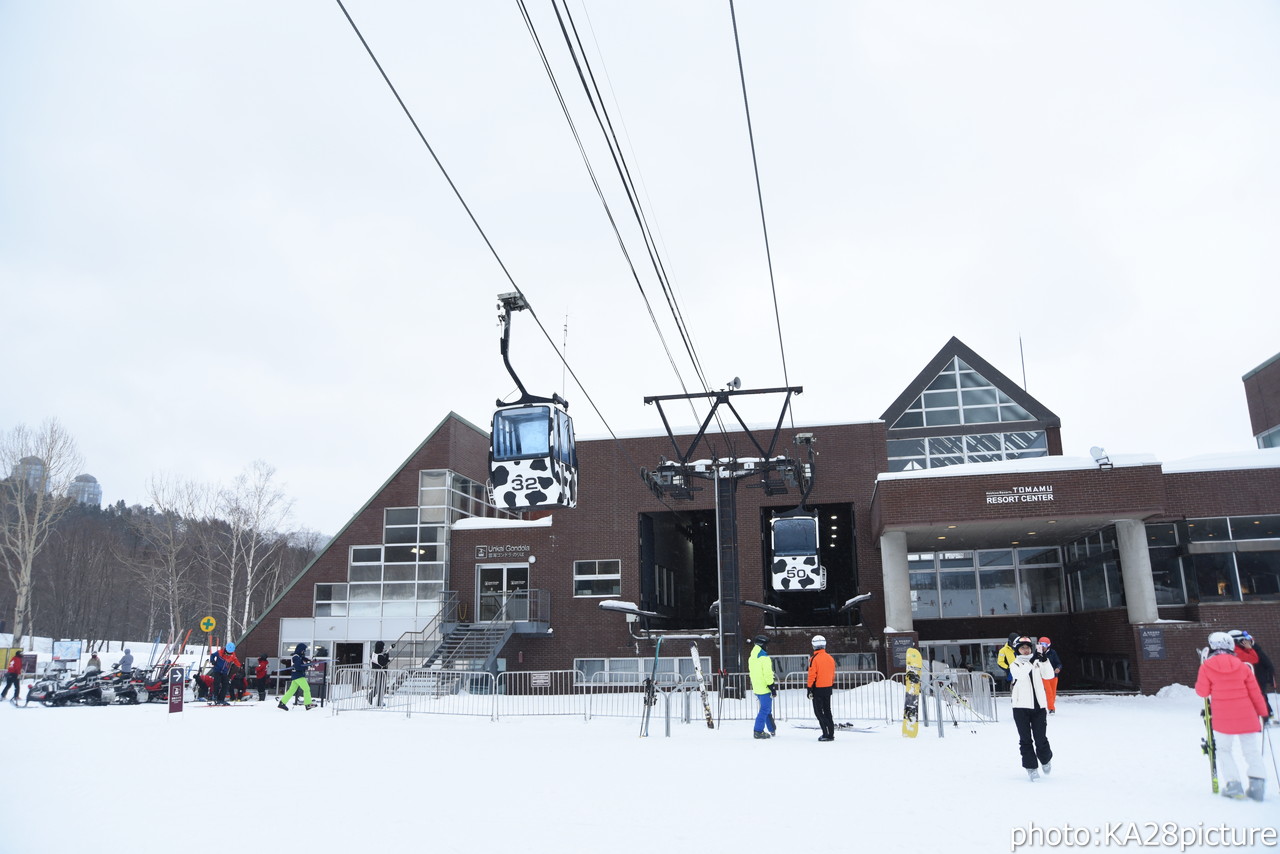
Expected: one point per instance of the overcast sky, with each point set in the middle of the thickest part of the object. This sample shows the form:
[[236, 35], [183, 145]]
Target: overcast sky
[[221, 240]]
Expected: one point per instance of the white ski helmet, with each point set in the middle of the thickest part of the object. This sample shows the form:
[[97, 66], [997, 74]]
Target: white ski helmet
[[819, 641], [1222, 641]]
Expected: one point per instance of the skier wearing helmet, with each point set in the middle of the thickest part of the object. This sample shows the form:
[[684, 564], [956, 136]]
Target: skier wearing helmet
[[1248, 651], [760, 668], [1028, 672], [1236, 705], [822, 680]]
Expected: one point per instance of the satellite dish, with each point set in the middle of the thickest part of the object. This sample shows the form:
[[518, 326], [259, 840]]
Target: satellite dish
[[1097, 452]]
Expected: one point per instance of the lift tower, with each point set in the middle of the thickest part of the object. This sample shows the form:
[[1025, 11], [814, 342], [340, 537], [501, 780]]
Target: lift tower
[[776, 473]]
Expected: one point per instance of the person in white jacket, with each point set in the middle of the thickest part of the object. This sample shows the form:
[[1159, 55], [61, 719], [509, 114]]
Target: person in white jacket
[[1030, 706]]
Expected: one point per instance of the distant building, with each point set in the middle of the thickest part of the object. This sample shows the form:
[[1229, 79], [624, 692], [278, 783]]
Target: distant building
[[85, 489], [31, 470], [1262, 393]]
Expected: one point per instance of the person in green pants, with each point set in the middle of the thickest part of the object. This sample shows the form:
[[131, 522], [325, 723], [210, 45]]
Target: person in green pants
[[299, 679]]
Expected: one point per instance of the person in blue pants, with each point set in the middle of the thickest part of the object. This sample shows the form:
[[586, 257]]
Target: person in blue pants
[[760, 667]]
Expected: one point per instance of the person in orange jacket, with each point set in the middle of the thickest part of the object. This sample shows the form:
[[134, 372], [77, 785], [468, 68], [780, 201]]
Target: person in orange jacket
[[822, 680]]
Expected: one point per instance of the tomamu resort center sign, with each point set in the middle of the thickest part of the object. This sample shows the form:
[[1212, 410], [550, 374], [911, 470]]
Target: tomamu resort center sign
[[1020, 494]]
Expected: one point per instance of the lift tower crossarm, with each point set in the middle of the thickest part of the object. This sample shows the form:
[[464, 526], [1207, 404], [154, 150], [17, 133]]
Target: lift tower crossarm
[[722, 397]]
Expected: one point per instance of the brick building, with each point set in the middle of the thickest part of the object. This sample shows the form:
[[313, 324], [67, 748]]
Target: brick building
[[955, 511]]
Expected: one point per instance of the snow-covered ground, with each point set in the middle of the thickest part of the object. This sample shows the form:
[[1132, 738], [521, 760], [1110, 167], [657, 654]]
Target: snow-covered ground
[[1128, 773]]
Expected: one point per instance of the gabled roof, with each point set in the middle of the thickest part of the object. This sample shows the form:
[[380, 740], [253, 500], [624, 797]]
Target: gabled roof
[[955, 348]]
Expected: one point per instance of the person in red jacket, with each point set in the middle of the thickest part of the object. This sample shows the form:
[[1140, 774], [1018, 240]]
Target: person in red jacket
[[260, 678], [1248, 651], [822, 680], [1238, 710], [13, 677]]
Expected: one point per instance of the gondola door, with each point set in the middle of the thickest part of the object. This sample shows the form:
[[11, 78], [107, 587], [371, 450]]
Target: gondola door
[[499, 589]]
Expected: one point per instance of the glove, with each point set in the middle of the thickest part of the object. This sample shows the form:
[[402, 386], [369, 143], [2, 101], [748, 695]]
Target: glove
[[1035, 656], [809, 693], [773, 690]]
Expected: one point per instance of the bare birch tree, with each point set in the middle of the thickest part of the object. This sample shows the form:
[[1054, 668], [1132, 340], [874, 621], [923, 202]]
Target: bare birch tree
[[255, 509], [42, 464]]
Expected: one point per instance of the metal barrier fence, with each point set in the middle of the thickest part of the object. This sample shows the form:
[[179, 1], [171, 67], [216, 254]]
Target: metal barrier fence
[[860, 695]]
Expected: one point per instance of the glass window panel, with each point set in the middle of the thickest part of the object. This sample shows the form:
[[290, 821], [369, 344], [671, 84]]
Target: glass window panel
[[924, 595], [331, 592], [983, 458], [430, 591], [909, 419], [1255, 527], [431, 572], [1013, 412], [433, 478], [906, 447], [906, 464], [942, 417], [955, 560], [365, 609], [523, 433], [433, 497], [940, 399], [366, 554], [996, 557], [1093, 588], [364, 592], [983, 443], [399, 554], [939, 462], [946, 445], [402, 516], [1025, 455], [431, 534], [1042, 590], [399, 609], [435, 514], [431, 552], [970, 378], [1037, 556], [400, 572], [397, 591], [1166, 572], [365, 573], [999, 596], [401, 535], [1023, 441], [1259, 574], [331, 609], [981, 415], [959, 594], [1208, 530], [916, 560], [1162, 535], [597, 587], [978, 397], [946, 379], [1115, 583]]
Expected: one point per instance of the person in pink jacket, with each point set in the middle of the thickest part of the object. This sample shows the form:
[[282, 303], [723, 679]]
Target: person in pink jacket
[[1238, 711]]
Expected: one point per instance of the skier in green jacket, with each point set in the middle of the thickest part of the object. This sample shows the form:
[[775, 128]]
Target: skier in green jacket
[[760, 666]]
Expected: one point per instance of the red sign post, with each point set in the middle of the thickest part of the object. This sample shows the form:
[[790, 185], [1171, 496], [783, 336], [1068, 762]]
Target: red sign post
[[177, 678]]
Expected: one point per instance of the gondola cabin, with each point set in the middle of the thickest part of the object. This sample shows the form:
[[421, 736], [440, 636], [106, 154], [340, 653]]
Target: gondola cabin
[[532, 458], [795, 566]]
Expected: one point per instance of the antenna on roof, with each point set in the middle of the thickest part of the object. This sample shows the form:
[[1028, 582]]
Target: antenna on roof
[[1022, 356]]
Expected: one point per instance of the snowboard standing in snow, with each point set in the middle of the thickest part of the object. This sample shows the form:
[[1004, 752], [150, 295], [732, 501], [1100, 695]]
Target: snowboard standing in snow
[[911, 705], [702, 684]]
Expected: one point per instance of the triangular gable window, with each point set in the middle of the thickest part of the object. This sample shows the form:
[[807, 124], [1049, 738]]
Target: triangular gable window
[[960, 395]]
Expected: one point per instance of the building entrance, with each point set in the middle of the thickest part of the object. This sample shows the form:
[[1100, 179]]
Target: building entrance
[[495, 585]]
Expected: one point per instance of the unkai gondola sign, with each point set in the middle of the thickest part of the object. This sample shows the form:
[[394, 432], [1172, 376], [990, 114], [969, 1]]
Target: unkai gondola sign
[[1021, 494]]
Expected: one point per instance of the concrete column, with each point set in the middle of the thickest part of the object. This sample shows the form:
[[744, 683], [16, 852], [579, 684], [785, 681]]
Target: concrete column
[[897, 581], [1135, 569]]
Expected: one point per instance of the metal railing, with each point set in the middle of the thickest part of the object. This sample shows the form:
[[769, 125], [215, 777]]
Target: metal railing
[[857, 695], [413, 648]]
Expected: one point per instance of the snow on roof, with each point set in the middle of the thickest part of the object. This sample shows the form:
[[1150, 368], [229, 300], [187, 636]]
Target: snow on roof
[[481, 523], [1035, 464], [1253, 458]]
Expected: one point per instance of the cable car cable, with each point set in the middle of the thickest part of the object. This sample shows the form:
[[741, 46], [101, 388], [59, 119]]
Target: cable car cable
[[764, 225]]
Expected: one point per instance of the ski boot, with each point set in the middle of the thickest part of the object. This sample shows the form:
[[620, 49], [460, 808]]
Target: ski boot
[[762, 734], [1233, 790], [1256, 787], [1033, 774], [282, 707], [1047, 768], [309, 706]]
